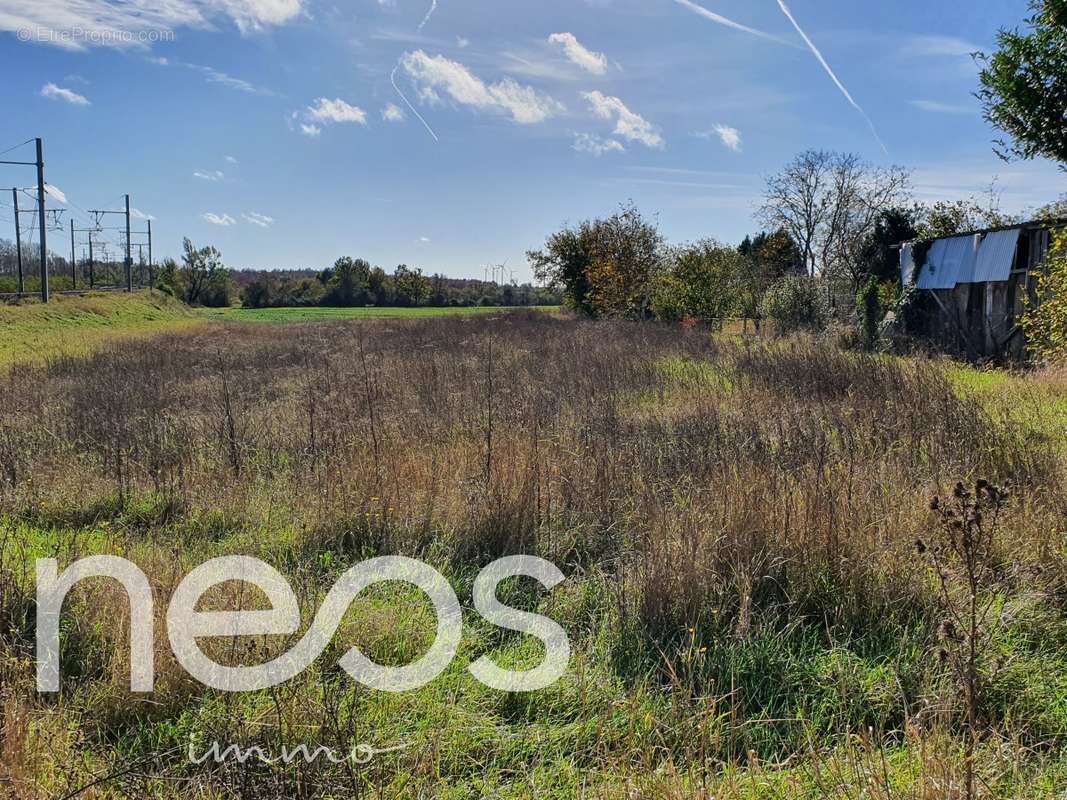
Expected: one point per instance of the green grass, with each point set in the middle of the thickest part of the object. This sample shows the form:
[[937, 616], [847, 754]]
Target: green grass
[[598, 726], [32, 332], [794, 706], [1040, 399], [316, 314]]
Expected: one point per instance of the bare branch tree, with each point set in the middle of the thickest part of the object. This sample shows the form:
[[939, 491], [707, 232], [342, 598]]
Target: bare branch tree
[[796, 200], [861, 194], [829, 204]]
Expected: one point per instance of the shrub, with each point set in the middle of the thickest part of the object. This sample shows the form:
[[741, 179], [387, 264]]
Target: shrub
[[796, 304], [702, 281], [869, 301], [1045, 321]]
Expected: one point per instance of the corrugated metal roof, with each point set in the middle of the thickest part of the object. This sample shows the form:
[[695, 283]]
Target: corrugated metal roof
[[950, 261], [996, 256]]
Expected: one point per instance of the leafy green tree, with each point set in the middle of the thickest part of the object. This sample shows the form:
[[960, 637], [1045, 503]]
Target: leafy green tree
[[564, 265], [773, 254], [273, 291], [203, 277], [410, 285], [260, 293], [379, 286], [438, 297], [627, 254], [1045, 320], [168, 277], [951, 217], [701, 281], [768, 258], [879, 259], [1024, 85], [348, 282]]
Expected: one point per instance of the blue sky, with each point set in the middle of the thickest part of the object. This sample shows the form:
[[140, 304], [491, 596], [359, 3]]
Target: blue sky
[[272, 128]]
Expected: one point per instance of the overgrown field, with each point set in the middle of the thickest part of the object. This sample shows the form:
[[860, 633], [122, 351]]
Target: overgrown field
[[320, 313], [32, 332], [749, 613]]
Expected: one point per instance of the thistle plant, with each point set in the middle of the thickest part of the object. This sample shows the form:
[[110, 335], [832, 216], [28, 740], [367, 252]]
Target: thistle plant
[[962, 555]]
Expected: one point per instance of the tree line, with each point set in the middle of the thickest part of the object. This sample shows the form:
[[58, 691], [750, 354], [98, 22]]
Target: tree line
[[355, 282], [201, 278], [834, 220], [828, 252]]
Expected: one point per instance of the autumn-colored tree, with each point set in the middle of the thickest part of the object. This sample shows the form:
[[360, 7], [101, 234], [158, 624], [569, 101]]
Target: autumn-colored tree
[[603, 267], [627, 254]]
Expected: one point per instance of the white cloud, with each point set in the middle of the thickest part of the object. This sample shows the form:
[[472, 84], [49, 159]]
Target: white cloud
[[462, 42], [595, 145], [56, 192], [337, 110], [225, 220], [121, 24], [262, 220], [136, 213], [310, 130], [538, 68], [257, 14], [393, 113], [629, 125], [53, 92], [731, 137], [209, 175], [524, 104], [52, 191], [424, 240], [577, 53], [231, 159], [935, 107]]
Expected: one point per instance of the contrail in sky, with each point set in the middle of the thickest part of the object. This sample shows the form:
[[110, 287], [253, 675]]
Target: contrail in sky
[[729, 23], [433, 8], [425, 124], [830, 72]]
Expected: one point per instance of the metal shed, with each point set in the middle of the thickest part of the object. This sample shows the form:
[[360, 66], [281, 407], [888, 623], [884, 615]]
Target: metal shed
[[979, 282]]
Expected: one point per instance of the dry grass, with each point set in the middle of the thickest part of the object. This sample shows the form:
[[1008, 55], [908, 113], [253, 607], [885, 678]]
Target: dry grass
[[737, 521]]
